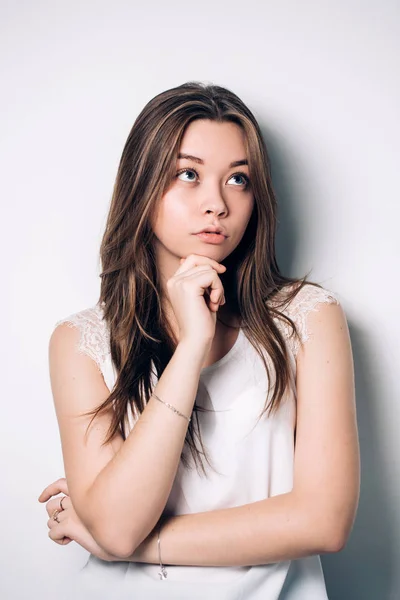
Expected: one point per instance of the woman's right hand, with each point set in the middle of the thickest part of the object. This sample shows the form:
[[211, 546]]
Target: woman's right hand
[[194, 306]]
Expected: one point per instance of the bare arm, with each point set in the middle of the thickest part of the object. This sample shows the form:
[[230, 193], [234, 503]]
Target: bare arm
[[318, 514], [119, 491]]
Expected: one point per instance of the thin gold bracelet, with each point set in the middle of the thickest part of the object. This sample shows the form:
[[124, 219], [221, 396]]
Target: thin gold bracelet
[[172, 408]]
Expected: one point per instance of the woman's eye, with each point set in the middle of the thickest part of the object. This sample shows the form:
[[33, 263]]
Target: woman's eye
[[245, 179], [190, 171]]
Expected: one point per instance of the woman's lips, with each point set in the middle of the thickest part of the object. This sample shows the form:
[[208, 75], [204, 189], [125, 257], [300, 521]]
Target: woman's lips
[[211, 238]]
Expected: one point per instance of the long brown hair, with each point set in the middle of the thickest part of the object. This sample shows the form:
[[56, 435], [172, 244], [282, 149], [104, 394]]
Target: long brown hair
[[130, 286]]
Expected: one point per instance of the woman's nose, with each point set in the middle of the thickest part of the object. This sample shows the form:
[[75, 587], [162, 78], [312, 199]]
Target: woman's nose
[[214, 202]]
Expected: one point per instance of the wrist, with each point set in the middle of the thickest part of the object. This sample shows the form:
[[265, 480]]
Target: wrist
[[194, 351]]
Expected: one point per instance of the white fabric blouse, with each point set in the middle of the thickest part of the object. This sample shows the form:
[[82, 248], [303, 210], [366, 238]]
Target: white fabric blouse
[[252, 461]]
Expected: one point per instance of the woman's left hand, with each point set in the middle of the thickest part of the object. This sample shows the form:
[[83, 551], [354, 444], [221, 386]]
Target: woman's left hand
[[70, 528]]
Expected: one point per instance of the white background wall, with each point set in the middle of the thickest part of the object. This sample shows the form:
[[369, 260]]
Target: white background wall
[[322, 79]]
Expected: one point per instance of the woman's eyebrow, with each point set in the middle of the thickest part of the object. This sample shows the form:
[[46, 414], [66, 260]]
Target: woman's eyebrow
[[235, 163]]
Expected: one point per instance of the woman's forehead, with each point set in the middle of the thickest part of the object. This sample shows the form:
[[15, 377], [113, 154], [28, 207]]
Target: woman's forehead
[[205, 141]]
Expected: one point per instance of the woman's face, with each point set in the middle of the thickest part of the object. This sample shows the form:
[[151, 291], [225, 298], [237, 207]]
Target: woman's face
[[207, 191]]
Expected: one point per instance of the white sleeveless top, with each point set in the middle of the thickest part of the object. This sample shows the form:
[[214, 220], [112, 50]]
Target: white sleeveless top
[[252, 461]]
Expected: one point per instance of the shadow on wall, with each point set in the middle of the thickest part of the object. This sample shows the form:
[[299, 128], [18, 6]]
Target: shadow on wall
[[289, 216], [365, 569]]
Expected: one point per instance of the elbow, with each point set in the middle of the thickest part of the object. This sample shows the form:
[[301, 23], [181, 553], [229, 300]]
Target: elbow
[[336, 535], [334, 541], [107, 534], [331, 523], [331, 533], [321, 539], [113, 543]]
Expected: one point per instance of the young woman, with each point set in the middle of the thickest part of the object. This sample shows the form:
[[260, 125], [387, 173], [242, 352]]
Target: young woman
[[206, 402]]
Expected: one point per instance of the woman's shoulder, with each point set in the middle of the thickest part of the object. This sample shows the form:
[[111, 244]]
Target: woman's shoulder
[[298, 304], [94, 336], [92, 315], [306, 298]]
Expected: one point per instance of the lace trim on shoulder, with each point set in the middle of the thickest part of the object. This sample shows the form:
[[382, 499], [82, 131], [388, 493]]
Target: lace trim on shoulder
[[94, 337], [308, 299]]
